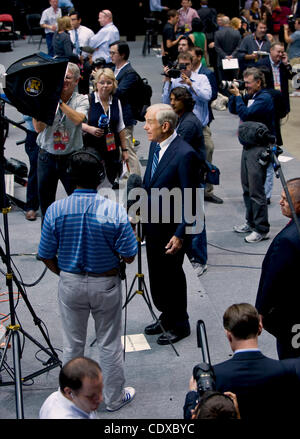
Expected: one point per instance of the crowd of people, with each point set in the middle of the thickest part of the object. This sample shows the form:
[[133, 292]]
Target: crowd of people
[[85, 235]]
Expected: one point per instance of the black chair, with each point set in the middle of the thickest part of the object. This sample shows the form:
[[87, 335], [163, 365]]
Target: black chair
[[34, 27]]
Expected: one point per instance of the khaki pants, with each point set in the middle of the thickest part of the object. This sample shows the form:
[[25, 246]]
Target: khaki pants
[[209, 147]]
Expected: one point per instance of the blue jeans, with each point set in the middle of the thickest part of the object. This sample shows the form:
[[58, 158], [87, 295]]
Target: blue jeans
[[51, 169], [196, 247], [32, 150]]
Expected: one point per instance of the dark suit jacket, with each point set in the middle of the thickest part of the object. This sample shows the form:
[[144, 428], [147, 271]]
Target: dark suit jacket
[[278, 298], [177, 169], [259, 382], [127, 79]]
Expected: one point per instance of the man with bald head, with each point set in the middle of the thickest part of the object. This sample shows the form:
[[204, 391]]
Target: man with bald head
[[106, 36], [278, 298]]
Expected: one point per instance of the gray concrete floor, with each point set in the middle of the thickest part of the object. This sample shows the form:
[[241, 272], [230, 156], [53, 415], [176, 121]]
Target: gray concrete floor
[[160, 376]]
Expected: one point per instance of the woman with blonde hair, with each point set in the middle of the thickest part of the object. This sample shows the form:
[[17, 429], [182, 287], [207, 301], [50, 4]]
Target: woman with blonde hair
[[62, 44], [105, 128]]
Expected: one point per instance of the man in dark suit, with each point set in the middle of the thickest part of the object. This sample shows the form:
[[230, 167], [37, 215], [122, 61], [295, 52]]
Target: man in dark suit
[[256, 380], [227, 41], [198, 67], [278, 299], [127, 79], [172, 166], [190, 129], [277, 71]]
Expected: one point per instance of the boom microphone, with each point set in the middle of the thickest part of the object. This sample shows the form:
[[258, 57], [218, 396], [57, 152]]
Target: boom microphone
[[134, 181], [255, 134]]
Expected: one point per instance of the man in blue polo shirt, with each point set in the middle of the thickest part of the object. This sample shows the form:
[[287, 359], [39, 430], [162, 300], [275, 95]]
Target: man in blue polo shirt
[[83, 238]]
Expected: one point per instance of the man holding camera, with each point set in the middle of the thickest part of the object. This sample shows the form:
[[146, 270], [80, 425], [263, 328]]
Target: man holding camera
[[257, 105]]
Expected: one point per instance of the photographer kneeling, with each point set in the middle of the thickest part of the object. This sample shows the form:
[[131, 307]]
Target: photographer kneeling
[[256, 105]]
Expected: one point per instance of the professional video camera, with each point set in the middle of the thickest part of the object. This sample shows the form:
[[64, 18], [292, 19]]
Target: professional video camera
[[225, 85], [291, 23], [203, 372], [103, 123]]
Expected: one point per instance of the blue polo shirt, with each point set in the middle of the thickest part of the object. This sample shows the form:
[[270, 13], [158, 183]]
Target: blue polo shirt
[[86, 231]]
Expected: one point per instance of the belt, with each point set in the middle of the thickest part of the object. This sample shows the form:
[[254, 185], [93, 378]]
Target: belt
[[112, 272]]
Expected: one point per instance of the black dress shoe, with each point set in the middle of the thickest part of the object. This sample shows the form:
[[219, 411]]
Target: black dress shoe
[[153, 329], [172, 337], [213, 199]]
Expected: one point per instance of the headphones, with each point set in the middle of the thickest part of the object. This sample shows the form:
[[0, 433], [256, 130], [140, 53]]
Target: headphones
[[100, 175]]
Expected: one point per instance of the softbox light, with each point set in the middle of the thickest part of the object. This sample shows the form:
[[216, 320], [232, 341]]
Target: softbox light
[[34, 84]]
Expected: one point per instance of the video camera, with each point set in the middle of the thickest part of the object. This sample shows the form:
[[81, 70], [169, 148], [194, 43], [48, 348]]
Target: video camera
[[103, 123], [225, 85], [203, 372]]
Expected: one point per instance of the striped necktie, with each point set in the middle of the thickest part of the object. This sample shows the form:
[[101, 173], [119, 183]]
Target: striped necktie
[[155, 159], [77, 47]]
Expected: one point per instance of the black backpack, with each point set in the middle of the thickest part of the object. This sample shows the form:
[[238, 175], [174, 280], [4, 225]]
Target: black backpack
[[141, 99]]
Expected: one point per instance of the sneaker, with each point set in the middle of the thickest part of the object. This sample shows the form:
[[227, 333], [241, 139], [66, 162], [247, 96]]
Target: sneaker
[[256, 237], [199, 268], [244, 228], [129, 394]]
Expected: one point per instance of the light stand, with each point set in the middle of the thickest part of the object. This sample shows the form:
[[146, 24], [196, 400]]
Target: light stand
[[142, 288], [14, 329]]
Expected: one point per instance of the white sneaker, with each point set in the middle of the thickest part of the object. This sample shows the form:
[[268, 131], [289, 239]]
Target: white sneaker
[[256, 237], [129, 394], [244, 228], [199, 268]]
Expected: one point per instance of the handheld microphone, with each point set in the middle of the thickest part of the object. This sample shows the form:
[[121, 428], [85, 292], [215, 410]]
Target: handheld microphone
[[255, 134]]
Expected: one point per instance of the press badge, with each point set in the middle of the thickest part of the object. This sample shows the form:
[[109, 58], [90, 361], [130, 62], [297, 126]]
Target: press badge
[[110, 142]]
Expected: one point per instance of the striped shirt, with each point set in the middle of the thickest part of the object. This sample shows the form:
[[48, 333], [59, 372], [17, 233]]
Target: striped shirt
[[87, 232]]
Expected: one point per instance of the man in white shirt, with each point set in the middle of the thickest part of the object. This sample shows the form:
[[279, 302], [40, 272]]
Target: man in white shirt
[[79, 394], [80, 35], [49, 23], [106, 35]]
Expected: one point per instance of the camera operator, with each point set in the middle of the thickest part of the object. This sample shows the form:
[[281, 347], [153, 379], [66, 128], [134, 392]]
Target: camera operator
[[83, 237], [211, 405], [198, 85], [255, 379], [257, 105]]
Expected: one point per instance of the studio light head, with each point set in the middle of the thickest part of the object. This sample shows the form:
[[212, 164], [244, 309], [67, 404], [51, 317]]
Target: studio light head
[[34, 84]]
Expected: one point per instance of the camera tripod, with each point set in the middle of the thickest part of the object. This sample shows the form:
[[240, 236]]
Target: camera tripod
[[142, 288], [14, 329]]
